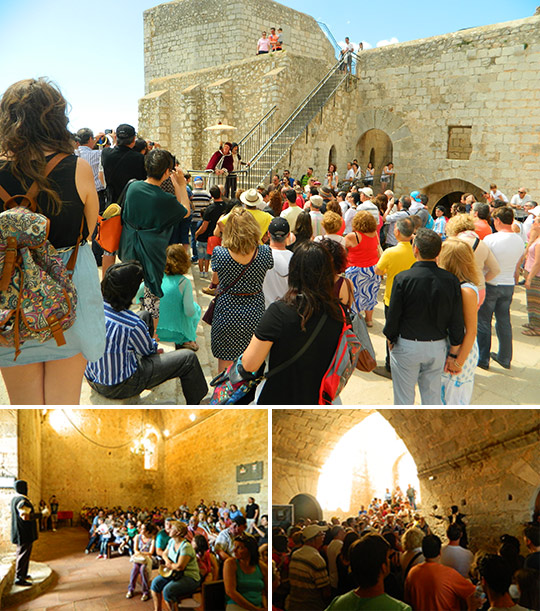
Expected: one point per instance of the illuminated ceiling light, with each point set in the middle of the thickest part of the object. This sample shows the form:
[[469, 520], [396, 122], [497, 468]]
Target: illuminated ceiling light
[[58, 421], [166, 433], [192, 417]]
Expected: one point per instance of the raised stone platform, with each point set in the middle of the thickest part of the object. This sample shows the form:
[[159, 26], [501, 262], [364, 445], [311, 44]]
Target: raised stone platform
[[42, 578]]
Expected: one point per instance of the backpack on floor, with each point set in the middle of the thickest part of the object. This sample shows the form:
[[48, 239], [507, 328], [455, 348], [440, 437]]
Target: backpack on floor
[[341, 367], [37, 295]]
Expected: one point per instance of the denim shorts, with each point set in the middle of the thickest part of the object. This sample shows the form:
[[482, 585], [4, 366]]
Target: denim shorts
[[201, 250]]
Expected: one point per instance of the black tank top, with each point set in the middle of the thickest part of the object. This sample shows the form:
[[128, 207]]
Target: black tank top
[[66, 225]]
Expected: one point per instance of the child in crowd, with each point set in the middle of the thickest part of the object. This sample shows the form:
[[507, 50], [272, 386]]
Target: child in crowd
[[179, 314], [440, 223], [127, 543], [104, 532]]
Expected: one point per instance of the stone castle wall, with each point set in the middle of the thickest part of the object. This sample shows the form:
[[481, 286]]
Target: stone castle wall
[[178, 107], [187, 35], [455, 112]]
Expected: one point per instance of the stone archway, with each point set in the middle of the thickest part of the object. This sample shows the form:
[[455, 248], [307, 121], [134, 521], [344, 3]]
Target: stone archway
[[332, 155], [449, 190], [306, 506], [374, 145], [485, 461]]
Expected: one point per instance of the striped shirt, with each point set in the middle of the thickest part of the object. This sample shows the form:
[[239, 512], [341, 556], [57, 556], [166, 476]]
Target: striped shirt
[[94, 159], [200, 199], [126, 337], [308, 576]]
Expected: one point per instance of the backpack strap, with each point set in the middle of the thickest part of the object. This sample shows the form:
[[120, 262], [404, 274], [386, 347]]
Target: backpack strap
[[11, 201], [476, 242]]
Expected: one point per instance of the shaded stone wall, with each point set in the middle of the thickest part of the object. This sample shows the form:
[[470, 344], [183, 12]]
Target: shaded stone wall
[[29, 452], [8, 461], [202, 463], [486, 461], [189, 35]]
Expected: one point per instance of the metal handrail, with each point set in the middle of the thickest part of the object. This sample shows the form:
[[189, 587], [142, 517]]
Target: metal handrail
[[260, 122], [330, 36]]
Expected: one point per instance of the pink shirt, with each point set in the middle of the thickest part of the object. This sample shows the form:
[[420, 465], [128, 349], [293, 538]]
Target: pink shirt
[[534, 252], [263, 44]]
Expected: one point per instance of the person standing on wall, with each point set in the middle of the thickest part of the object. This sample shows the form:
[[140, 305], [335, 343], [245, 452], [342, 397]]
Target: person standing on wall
[[24, 531]]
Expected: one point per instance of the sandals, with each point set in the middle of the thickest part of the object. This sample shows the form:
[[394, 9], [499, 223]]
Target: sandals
[[532, 332], [527, 325], [190, 346]]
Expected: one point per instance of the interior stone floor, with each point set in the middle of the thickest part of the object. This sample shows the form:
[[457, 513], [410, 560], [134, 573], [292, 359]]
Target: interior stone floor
[[82, 582]]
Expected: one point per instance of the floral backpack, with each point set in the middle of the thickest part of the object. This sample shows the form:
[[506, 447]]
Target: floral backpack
[[37, 295]]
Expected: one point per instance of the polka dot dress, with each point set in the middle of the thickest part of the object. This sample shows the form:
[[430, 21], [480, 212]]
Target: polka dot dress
[[237, 314]]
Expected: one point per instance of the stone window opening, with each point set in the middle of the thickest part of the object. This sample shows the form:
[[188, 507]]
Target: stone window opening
[[459, 142], [150, 452]]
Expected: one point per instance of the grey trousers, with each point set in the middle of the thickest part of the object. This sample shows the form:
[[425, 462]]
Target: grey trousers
[[22, 561], [415, 362]]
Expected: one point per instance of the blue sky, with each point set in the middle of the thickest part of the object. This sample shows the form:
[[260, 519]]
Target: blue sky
[[93, 49]]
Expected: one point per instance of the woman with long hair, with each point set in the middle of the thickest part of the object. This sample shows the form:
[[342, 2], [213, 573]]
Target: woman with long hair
[[290, 322], [364, 251], [368, 179], [343, 288], [245, 579], [208, 566], [33, 131], [241, 265], [144, 547], [303, 230], [332, 176], [458, 378], [180, 560]]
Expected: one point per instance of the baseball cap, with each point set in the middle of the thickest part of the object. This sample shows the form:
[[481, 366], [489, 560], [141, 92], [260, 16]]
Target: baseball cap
[[279, 227], [198, 179], [125, 131], [317, 201], [368, 191], [312, 531], [416, 196]]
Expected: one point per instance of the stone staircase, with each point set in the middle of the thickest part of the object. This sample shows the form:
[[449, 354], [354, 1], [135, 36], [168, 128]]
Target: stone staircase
[[280, 142]]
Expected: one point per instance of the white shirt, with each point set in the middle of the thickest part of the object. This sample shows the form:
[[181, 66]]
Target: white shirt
[[458, 558], [499, 195], [371, 208], [508, 248], [349, 215], [332, 553], [291, 214], [276, 281], [344, 207], [349, 175]]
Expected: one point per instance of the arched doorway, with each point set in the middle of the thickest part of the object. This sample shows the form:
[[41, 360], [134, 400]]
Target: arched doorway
[[536, 511], [361, 467], [332, 156], [306, 506], [375, 146], [446, 192]]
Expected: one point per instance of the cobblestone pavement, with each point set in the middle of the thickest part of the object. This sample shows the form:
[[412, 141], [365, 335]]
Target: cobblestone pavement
[[498, 386]]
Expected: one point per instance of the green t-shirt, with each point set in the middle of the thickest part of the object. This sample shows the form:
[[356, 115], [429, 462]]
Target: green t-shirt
[[352, 602], [185, 549], [162, 539]]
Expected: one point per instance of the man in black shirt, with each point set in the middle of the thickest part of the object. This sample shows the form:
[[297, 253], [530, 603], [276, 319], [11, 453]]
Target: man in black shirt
[[252, 514], [425, 309], [23, 531], [210, 218], [122, 163]]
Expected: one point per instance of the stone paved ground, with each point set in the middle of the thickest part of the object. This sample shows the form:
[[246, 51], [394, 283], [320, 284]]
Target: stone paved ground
[[498, 386]]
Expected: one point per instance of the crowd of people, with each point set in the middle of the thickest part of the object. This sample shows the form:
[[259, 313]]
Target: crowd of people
[[279, 258], [188, 548], [387, 558]]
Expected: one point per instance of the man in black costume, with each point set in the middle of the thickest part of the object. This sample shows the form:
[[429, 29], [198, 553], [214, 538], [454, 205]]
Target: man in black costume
[[24, 531]]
